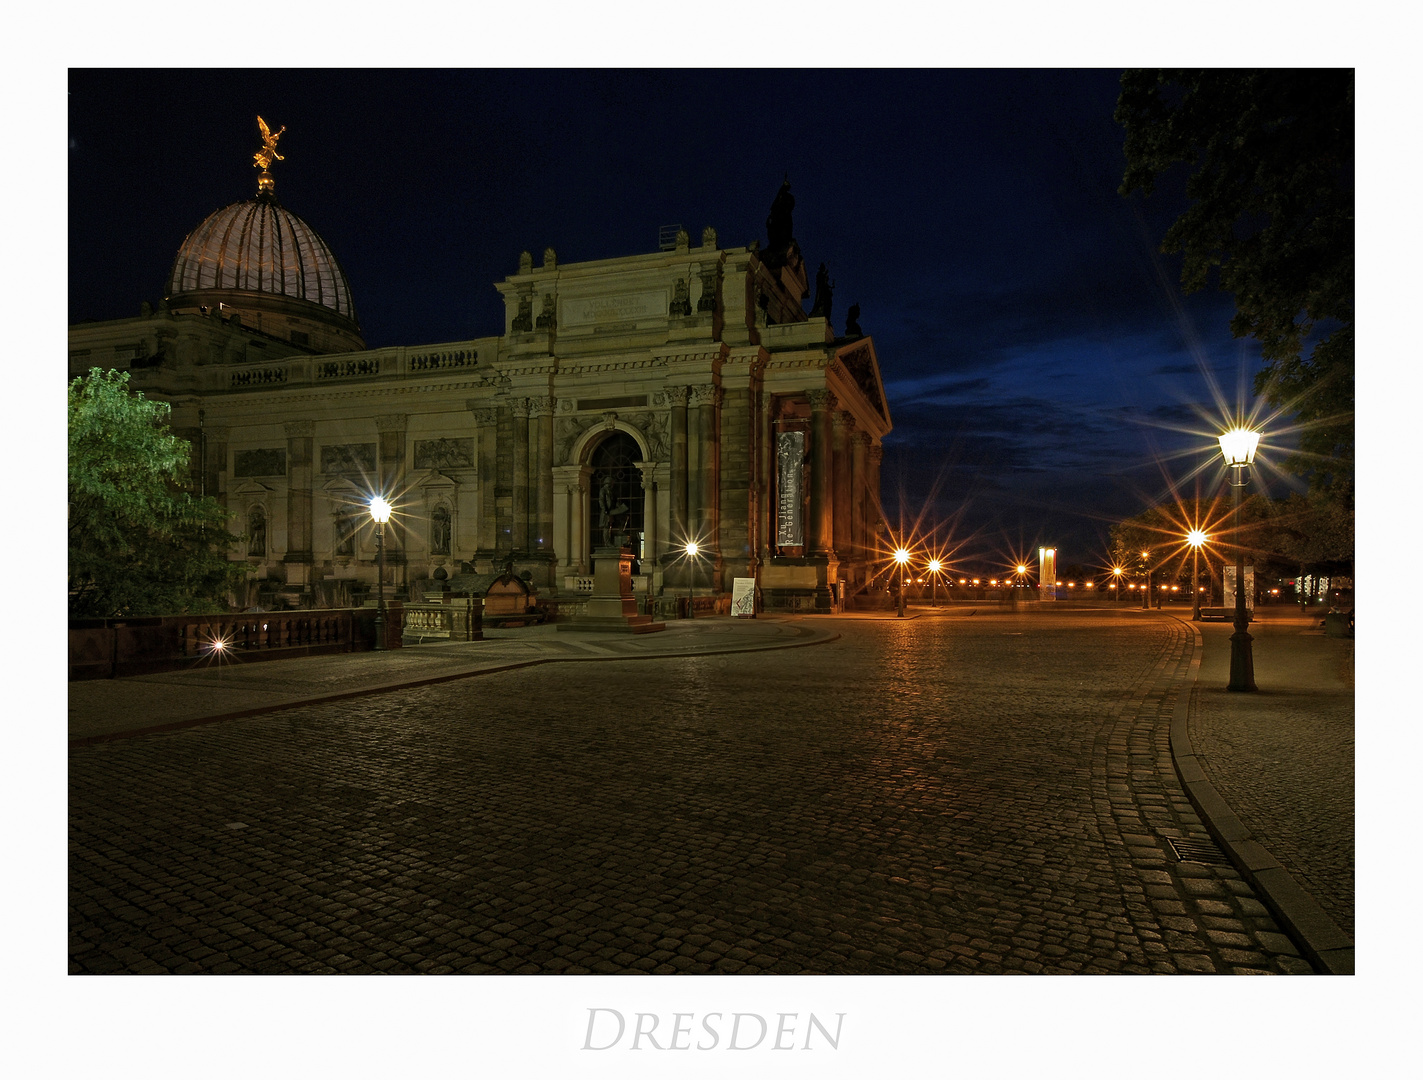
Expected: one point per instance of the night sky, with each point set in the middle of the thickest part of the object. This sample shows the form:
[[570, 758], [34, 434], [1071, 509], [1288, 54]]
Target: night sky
[[1045, 375]]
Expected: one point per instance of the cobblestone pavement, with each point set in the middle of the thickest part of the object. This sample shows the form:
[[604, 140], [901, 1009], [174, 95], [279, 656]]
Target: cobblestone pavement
[[1283, 758], [966, 794]]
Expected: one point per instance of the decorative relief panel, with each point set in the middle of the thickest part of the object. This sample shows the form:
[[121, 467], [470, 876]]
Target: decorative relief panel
[[444, 453], [348, 457], [265, 462]]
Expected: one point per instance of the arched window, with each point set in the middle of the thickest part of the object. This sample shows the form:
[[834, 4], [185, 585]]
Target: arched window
[[440, 531], [257, 531], [616, 499]]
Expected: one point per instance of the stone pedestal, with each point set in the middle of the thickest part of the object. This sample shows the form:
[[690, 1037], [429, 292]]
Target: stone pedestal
[[612, 607]]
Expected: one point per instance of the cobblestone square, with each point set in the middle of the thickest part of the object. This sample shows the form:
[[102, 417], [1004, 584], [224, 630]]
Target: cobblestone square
[[945, 794]]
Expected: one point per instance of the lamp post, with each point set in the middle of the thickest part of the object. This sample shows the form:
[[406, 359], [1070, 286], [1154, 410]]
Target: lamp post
[[1196, 538], [1117, 573], [380, 514], [902, 557], [1146, 596], [1238, 448], [692, 550], [934, 565]]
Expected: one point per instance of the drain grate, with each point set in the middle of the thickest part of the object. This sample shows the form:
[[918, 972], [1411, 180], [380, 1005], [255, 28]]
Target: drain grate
[[1197, 851]]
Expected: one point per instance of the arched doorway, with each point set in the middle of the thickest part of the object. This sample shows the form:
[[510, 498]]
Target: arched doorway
[[616, 500]]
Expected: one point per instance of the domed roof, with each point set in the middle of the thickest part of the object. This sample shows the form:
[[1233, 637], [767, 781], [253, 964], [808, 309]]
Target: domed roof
[[259, 246]]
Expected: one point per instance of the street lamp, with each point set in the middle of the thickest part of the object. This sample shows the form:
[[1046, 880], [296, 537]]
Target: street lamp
[[934, 565], [380, 514], [902, 557], [1238, 448], [692, 550], [1146, 596], [1196, 538], [1117, 572]]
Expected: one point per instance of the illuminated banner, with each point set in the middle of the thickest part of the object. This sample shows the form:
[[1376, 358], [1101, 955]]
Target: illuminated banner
[[790, 456], [1249, 588]]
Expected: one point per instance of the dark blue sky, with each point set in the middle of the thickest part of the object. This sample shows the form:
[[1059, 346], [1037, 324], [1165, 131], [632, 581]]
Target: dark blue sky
[[1038, 356]]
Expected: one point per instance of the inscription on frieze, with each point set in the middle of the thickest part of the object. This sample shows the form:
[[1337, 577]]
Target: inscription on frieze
[[610, 310], [265, 462]]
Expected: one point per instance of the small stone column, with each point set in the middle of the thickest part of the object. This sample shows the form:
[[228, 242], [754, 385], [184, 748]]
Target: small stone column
[[677, 395], [486, 419], [541, 437], [842, 424], [520, 538], [873, 509], [299, 480], [704, 510], [859, 491], [648, 469], [821, 467]]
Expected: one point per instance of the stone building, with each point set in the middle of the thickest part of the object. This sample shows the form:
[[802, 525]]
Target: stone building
[[680, 394]]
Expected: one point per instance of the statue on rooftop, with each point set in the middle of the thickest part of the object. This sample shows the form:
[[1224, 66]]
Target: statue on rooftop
[[824, 288], [778, 222], [852, 322]]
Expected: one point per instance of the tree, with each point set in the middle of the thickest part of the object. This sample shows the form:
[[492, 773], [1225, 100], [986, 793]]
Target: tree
[[1270, 219], [138, 543]]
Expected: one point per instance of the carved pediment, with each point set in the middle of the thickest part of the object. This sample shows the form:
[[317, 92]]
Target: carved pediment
[[862, 366]]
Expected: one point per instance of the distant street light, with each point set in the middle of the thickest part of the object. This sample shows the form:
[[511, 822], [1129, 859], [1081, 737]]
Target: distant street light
[[902, 557], [1118, 571], [1146, 596], [380, 514], [1196, 538], [934, 565], [1237, 446]]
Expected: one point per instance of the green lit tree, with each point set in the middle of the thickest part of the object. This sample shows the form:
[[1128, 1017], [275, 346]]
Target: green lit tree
[[1270, 218], [138, 543]]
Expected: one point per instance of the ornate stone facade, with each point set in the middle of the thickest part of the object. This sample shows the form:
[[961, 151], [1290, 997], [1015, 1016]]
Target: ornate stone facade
[[675, 370]]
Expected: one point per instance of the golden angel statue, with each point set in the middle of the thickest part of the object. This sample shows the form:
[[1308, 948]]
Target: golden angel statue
[[264, 157]]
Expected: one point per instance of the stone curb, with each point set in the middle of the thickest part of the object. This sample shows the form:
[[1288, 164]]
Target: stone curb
[[382, 688], [1321, 940]]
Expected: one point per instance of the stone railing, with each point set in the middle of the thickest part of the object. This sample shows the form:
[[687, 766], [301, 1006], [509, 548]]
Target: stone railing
[[108, 648], [456, 618], [400, 361]]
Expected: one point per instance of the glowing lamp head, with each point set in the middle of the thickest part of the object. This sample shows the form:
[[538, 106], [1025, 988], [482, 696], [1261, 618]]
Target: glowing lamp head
[[1022, 569], [1196, 538], [380, 510], [901, 556], [692, 548], [1238, 447], [934, 566], [1117, 570]]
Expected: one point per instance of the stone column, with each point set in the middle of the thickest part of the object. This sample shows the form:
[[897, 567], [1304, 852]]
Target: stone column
[[648, 470], [392, 429], [842, 424], [872, 495], [677, 395], [541, 498], [299, 480], [519, 541], [859, 492], [486, 418], [704, 510], [819, 539]]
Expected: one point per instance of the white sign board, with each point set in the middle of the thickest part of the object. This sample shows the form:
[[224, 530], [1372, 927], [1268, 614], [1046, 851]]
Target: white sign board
[[743, 597], [1249, 588]]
